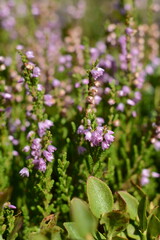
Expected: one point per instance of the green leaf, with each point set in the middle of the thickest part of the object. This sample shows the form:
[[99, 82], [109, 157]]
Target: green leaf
[[119, 238], [132, 203], [72, 231], [154, 226], [115, 222], [99, 236], [131, 232], [99, 196], [85, 221], [142, 211]]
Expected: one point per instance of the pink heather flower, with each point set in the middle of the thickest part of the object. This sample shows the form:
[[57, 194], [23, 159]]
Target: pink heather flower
[[134, 114], [12, 206], [51, 148], [35, 10], [77, 85], [111, 101], [130, 102], [19, 47], [144, 181], [145, 172], [48, 123], [6, 95], [85, 81], [129, 31], [21, 80], [36, 72], [81, 150], [80, 129], [26, 149], [7, 204], [107, 90], [36, 153], [97, 99], [43, 126], [96, 137], [30, 134], [108, 137], [56, 83], [36, 141], [15, 142], [48, 100], [24, 172], [120, 107], [15, 153], [137, 96], [157, 145], [48, 155], [79, 108], [42, 165], [104, 145], [29, 54], [40, 87], [155, 175], [88, 135], [100, 121], [149, 70], [97, 72], [126, 90]]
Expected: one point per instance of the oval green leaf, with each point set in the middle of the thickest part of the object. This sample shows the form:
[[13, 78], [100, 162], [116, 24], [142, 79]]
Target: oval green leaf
[[132, 203], [85, 221], [99, 196]]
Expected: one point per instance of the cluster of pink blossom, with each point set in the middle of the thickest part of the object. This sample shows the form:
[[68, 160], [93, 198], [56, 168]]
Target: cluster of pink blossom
[[97, 137], [146, 174]]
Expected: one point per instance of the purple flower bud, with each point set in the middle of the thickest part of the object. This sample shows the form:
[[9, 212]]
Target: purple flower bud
[[48, 156], [155, 175], [6, 95], [129, 31], [120, 107], [130, 102], [134, 114], [77, 85], [15, 142], [145, 172], [36, 153], [85, 81], [56, 83], [157, 145], [26, 149], [109, 138], [51, 148], [81, 150], [144, 181], [42, 165], [15, 153], [48, 100], [80, 129], [36, 72], [104, 145], [100, 121], [97, 99], [88, 135], [24, 172], [40, 87], [12, 206], [29, 135], [126, 90], [29, 54], [97, 72], [107, 90]]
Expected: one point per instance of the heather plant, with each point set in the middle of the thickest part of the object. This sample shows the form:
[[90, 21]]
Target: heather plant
[[79, 120]]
